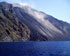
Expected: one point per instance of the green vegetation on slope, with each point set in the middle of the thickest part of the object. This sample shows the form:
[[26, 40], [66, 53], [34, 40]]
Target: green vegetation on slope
[[11, 29]]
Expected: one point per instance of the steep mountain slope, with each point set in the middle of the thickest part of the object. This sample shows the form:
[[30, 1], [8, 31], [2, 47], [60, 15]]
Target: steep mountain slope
[[43, 27], [11, 28]]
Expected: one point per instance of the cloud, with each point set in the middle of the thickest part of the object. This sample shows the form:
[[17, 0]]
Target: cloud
[[23, 2], [27, 2]]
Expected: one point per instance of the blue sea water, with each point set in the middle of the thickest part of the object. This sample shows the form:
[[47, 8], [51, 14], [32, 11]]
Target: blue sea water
[[52, 48]]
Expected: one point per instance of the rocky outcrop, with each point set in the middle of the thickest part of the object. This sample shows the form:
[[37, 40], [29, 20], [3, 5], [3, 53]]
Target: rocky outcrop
[[11, 28], [23, 23]]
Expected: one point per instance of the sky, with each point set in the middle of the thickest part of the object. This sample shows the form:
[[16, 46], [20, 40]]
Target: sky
[[59, 9]]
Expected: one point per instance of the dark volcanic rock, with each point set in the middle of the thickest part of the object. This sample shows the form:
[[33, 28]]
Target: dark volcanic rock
[[15, 20], [11, 28]]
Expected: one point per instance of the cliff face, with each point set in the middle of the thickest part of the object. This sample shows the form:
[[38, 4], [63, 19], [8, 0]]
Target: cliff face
[[11, 28]]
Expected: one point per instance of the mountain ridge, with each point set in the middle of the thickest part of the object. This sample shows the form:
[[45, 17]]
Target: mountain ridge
[[43, 27]]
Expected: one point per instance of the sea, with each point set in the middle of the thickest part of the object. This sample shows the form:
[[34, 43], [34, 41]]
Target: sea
[[50, 48]]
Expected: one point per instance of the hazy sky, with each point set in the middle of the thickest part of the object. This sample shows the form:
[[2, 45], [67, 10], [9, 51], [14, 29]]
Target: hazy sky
[[59, 9]]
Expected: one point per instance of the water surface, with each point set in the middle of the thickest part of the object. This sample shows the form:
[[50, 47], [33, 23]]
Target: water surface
[[53, 48]]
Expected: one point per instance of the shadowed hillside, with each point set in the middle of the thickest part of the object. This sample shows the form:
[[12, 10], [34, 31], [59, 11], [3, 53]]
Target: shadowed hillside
[[12, 29], [23, 23]]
